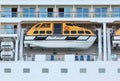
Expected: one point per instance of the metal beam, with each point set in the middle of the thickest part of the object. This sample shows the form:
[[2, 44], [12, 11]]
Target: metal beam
[[104, 42], [109, 44], [99, 45]]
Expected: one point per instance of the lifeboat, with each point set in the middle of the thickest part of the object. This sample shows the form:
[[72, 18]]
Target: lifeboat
[[59, 35], [116, 39]]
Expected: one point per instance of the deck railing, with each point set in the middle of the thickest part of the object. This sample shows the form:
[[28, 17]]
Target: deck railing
[[8, 31], [57, 15]]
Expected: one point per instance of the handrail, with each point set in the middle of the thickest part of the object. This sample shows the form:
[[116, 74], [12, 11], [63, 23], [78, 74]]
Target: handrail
[[8, 30], [57, 15]]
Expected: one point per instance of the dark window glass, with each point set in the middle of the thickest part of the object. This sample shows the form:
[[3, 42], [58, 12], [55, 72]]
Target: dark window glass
[[69, 24], [66, 32], [80, 32], [35, 32], [87, 32], [73, 32], [45, 25], [37, 25], [48, 32], [42, 32]]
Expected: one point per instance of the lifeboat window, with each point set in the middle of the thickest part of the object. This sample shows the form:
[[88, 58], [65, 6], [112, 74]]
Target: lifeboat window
[[69, 24], [48, 32], [75, 24], [66, 32], [73, 32], [37, 25], [45, 25], [80, 32], [35, 32], [42, 32], [87, 32]]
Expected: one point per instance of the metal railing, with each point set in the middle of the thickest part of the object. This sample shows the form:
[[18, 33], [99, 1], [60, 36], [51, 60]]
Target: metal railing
[[57, 15], [8, 31]]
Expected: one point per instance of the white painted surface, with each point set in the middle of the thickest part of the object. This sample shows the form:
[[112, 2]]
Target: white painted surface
[[40, 57], [83, 44], [60, 2], [69, 58], [16, 20], [55, 73]]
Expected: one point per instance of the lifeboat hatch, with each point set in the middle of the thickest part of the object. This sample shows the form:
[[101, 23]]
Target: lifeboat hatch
[[57, 28]]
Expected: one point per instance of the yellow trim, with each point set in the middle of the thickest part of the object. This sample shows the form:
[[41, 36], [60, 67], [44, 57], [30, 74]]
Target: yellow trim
[[48, 26], [117, 32]]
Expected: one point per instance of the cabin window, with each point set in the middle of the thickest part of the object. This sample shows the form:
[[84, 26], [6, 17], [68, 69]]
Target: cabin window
[[101, 12], [80, 32], [69, 24], [45, 25], [83, 70], [45, 70], [26, 70], [7, 70], [87, 32], [101, 70], [48, 32], [42, 32], [37, 25], [118, 70], [35, 32], [64, 70], [73, 32], [66, 32]]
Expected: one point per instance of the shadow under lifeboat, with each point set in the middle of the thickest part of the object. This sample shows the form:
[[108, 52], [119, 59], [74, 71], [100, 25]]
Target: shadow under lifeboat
[[116, 39], [59, 35]]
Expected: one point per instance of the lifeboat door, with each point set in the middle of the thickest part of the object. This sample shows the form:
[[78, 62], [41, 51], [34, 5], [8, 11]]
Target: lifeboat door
[[57, 28]]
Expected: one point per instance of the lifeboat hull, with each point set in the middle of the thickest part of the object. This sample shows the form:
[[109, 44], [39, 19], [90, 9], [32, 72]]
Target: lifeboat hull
[[82, 42], [116, 41]]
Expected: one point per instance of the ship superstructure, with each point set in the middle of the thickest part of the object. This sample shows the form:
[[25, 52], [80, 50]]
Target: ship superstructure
[[58, 40]]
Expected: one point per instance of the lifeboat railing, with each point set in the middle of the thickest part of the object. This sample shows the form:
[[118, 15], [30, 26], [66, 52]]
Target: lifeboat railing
[[57, 15]]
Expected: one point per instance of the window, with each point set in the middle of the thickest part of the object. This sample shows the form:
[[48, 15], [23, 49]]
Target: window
[[9, 29], [7, 12], [82, 12], [43, 12], [7, 70], [80, 32], [100, 12], [61, 12], [26, 70], [42, 32], [69, 24], [101, 70], [50, 12], [35, 32], [67, 12], [118, 70], [83, 70], [64, 70], [73, 32], [87, 32], [48, 32], [37, 25], [116, 12], [45, 70], [66, 32], [45, 25], [29, 12]]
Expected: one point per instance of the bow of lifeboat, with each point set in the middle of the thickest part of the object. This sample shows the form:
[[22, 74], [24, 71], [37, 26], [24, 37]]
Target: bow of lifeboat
[[59, 35], [116, 39]]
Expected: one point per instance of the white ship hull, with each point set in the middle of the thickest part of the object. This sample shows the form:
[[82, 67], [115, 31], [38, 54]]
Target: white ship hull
[[79, 43], [54, 74]]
